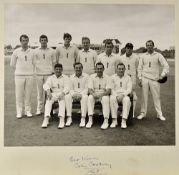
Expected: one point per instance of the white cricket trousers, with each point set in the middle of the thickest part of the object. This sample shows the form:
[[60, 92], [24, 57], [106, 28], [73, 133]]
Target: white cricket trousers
[[40, 80], [105, 106], [24, 87], [126, 104], [83, 102], [49, 103], [154, 87]]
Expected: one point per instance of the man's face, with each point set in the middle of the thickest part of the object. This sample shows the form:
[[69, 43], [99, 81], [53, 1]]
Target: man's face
[[24, 42], [86, 44], [99, 70], [120, 70], [78, 69], [67, 41], [129, 51], [58, 71], [149, 46], [109, 48], [43, 42]]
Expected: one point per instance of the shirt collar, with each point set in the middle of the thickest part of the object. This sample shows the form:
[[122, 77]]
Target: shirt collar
[[67, 47], [44, 49], [109, 55], [58, 77], [28, 49], [86, 51], [147, 53], [99, 77], [82, 75]]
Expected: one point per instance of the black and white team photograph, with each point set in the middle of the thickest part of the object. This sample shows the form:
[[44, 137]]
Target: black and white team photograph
[[89, 75]]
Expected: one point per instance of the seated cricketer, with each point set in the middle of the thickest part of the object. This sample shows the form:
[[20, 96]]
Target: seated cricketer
[[121, 87], [78, 93], [56, 87], [99, 91]]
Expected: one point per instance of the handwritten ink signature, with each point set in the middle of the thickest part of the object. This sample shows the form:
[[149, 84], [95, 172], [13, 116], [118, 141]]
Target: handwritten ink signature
[[92, 165]]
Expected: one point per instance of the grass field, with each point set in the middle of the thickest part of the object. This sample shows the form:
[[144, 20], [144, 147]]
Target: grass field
[[150, 131]]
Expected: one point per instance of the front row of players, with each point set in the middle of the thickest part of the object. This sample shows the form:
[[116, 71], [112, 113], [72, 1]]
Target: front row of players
[[109, 91]]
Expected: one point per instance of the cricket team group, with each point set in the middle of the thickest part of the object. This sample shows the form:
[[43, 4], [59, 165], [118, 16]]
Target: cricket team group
[[107, 78]]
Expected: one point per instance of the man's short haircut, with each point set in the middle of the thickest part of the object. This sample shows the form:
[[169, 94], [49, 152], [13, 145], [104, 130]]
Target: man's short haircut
[[129, 45], [23, 36], [43, 36], [108, 41], [85, 38], [58, 65], [78, 63], [121, 64], [150, 41], [67, 35], [99, 63]]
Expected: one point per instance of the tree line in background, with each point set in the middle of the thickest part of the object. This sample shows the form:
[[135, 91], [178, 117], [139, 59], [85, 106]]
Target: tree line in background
[[8, 49]]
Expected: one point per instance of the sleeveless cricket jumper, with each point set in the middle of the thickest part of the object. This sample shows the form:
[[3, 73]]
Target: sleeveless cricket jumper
[[45, 59], [23, 62]]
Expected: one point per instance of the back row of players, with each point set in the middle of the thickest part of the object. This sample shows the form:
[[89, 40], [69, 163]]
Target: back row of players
[[107, 78]]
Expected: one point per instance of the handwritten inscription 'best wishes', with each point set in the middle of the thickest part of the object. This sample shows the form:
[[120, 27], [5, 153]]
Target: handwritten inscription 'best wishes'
[[91, 165]]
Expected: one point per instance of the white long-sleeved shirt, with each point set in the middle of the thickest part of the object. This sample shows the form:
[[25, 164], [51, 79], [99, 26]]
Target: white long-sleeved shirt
[[99, 84], [131, 63], [121, 85], [23, 61], [67, 57], [57, 85], [88, 60], [44, 60], [150, 64], [110, 62], [79, 84]]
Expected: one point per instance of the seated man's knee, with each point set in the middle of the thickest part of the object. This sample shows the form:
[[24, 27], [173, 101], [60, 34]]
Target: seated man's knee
[[105, 98], [126, 99]]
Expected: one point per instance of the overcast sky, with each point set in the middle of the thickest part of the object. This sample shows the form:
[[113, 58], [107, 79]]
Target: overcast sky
[[128, 23]]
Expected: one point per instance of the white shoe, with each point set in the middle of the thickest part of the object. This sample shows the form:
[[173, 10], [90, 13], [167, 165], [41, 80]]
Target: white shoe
[[105, 124], [82, 123], [113, 124], [19, 116], [141, 116], [69, 121], [28, 114], [45, 122], [161, 118], [61, 124], [90, 122], [38, 113], [123, 124]]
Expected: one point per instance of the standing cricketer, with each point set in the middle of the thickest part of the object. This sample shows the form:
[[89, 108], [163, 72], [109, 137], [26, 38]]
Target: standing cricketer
[[109, 59], [22, 61], [149, 74], [67, 54], [45, 60], [131, 62], [87, 57]]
